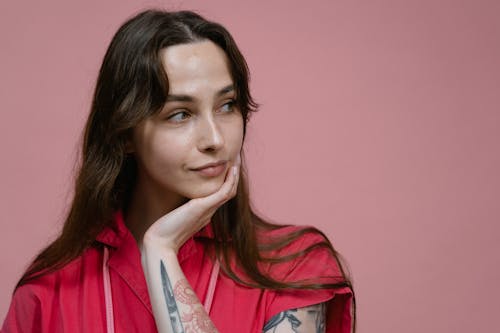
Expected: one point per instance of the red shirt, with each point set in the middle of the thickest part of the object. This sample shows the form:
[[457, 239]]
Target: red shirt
[[72, 298]]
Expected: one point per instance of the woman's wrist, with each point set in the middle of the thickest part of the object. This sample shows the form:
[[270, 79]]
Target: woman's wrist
[[151, 244]]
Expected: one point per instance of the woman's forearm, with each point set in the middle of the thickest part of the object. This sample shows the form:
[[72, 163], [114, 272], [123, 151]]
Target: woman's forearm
[[175, 305]]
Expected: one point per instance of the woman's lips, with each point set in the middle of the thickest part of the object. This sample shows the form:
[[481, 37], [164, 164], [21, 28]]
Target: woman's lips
[[213, 171]]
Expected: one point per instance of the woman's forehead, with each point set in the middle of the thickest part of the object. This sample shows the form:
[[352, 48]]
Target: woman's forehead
[[195, 66]]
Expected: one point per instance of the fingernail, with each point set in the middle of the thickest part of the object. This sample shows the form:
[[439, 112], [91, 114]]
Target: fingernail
[[235, 170]]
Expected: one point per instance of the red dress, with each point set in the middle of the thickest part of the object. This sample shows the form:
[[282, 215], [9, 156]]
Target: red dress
[[72, 298]]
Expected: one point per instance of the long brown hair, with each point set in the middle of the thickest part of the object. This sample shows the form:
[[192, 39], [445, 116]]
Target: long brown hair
[[132, 85]]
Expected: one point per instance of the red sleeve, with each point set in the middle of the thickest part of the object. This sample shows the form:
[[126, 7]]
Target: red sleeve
[[24, 313], [318, 264]]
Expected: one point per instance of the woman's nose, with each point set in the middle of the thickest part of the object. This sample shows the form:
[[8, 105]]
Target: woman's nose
[[210, 134]]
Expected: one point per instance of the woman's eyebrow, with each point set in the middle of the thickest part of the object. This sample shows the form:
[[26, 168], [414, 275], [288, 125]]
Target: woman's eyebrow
[[224, 90], [187, 98]]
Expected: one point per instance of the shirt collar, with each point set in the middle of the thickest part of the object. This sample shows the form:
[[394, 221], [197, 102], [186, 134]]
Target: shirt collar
[[114, 234], [125, 258]]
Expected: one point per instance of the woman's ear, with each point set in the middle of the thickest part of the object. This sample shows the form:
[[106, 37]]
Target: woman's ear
[[129, 148], [129, 142]]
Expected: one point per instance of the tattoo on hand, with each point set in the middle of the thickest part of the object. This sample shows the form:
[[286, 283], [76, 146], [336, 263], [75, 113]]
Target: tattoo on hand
[[306, 319], [173, 311]]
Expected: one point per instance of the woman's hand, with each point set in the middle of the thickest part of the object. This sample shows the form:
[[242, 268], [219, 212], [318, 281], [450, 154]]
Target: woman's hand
[[164, 275], [175, 228]]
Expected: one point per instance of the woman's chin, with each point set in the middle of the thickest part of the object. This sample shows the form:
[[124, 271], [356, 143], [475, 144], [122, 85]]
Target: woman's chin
[[206, 189]]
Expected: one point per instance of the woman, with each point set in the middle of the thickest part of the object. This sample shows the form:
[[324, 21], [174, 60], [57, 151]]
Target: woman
[[160, 235]]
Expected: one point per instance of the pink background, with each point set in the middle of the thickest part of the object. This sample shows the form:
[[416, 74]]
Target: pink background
[[380, 124]]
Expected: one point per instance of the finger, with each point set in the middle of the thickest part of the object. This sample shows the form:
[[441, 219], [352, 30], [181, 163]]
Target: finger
[[221, 195], [229, 170], [234, 186], [236, 182], [238, 159], [226, 190]]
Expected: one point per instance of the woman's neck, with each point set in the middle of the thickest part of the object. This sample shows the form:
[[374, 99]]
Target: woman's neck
[[146, 206]]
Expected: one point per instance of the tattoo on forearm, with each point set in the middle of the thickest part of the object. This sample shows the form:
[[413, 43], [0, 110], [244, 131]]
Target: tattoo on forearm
[[318, 311], [300, 320], [194, 319], [280, 318], [173, 311]]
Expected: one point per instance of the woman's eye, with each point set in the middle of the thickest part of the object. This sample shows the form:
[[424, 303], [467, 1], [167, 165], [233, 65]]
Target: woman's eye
[[229, 106], [182, 115], [177, 117]]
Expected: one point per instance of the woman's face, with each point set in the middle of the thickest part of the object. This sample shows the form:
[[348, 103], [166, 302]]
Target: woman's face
[[199, 124]]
